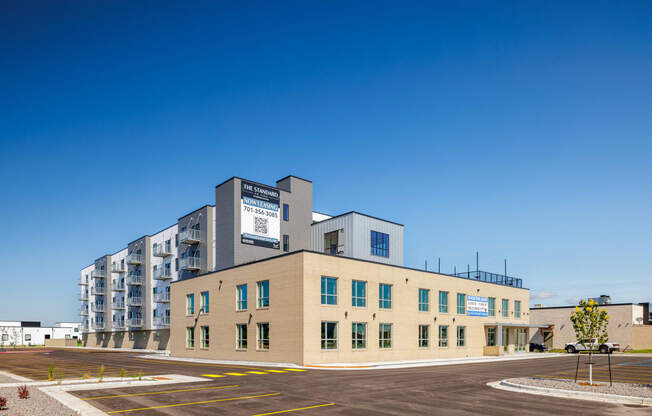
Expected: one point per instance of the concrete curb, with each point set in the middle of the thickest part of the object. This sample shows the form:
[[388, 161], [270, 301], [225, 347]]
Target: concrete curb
[[226, 362], [570, 394], [15, 377], [158, 352]]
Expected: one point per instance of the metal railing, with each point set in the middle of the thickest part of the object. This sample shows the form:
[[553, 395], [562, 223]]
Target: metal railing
[[162, 321], [118, 325], [161, 250], [117, 268], [191, 263], [118, 305], [98, 274], [135, 279], [83, 296], [135, 322], [162, 297], [162, 274], [82, 281], [191, 236], [135, 259], [97, 307], [98, 290], [134, 301], [118, 285], [83, 311], [500, 279], [99, 325]]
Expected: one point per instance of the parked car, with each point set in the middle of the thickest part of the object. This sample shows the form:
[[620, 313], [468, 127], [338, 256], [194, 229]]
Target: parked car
[[592, 345], [537, 347]]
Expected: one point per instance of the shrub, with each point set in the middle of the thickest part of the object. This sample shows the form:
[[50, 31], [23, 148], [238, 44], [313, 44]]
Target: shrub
[[101, 373], [23, 393], [86, 376], [122, 373], [3, 402], [51, 373]]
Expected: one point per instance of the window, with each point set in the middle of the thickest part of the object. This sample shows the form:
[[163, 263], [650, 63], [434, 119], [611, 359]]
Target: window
[[331, 242], [263, 336], [423, 335], [379, 244], [461, 330], [190, 304], [443, 335], [385, 335], [491, 337], [241, 336], [461, 303], [492, 307], [424, 300], [190, 337], [242, 297], [385, 296], [5, 337], [328, 335], [443, 302], [204, 338], [176, 264], [204, 302], [517, 308], [28, 337], [359, 294], [359, 335], [176, 240], [168, 269], [263, 294], [505, 308], [286, 212], [328, 290], [168, 246], [286, 242]]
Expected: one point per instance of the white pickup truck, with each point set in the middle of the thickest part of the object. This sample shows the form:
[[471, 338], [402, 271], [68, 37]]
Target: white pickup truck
[[592, 345]]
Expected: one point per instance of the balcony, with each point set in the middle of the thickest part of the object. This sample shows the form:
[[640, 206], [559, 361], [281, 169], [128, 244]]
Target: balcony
[[83, 296], [118, 268], [135, 322], [191, 263], [135, 279], [118, 285], [97, 307], [135, 259], [98, 274], [162, 297], [118, 305], [99, 325], [190, 237], [98, 290], [135, 301], [162, 250], [82, 281], [162, 321], [162, 274], [119, 325], [83, 311]]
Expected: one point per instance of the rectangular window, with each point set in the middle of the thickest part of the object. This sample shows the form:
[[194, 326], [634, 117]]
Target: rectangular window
[[176, 264], [176, 240], [263, 336], [461, 303], [379, 244], [359, 335], [359, 294], [286, 242], [242, 297], [461, 336], [331, 242], [492, 307], [190, 337], [385, 335], [423, 335], [505, 308], [328, 290], [491, 337], [263, 294], [204, 302], [5, 337], [443, 302], [517, 308], [286, 212], [204, 338], [28, 337], [328, 335], [241, 336], [443, 335], [190, 304], [384, 296], [424, 300]]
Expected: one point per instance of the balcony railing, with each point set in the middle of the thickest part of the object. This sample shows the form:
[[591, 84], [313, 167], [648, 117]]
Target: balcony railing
[[134, 301], [99, 325], [83, 311], [135, 259], [83, 296], [82, 281], [190, 236], [500, 279], [118, 325], [98, 290], [162, 274], [118, 305], [191, 263], [162, 297], [97, 307], [118, 268], [135, 322], [162, 250], [98, 274], [135, 279], [162, 321], [118, 285]]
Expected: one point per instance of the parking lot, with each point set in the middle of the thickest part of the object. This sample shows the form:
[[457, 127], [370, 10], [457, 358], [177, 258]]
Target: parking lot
[[253, 390]]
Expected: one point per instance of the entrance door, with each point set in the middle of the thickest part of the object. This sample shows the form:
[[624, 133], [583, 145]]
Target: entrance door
[[521, 339], [547, 339]]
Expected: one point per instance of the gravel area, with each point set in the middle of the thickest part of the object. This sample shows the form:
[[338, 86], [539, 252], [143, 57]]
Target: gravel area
[[621, 389], [38, 404]]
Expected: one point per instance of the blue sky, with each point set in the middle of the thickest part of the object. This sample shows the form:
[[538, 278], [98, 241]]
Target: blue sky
[[521, 131]]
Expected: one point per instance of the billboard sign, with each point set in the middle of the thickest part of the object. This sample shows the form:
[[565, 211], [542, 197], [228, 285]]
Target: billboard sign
[[477, 306], [259, 215]]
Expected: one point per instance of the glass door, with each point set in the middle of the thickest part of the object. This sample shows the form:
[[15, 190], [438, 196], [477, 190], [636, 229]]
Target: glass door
[[521, 338]]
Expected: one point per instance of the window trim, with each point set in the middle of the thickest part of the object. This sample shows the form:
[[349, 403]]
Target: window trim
[[354, 292], [259, 326], [190, 312], [441, 339], [458, 338], [355, 339], [325, 296], [381, 241], [446, 293], [505, 309], [190, 340], [381, 339], [325, 341], [204, 342], [381, 299], [427, 302], [259, 285], [204, 309], [238, 338], [238, 300], [426, 339], [463, 304]]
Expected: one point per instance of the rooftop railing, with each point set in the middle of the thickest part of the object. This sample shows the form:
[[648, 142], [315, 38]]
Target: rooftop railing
[[500, 279]]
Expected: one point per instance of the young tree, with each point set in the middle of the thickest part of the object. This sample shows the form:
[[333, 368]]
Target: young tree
[[590, 325]]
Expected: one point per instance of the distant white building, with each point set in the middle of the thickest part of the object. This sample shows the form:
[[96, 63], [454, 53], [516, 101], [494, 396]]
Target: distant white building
[[32, 333]]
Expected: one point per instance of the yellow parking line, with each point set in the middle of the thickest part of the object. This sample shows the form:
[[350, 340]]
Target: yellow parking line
[[293, 369], [293, 410], [193, 403], [276, 371], [256, 372], [172, 362], [235, 374], [212, 375], [161, 392]]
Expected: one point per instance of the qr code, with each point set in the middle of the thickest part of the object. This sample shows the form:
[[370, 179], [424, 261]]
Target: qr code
[[260, 225]]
